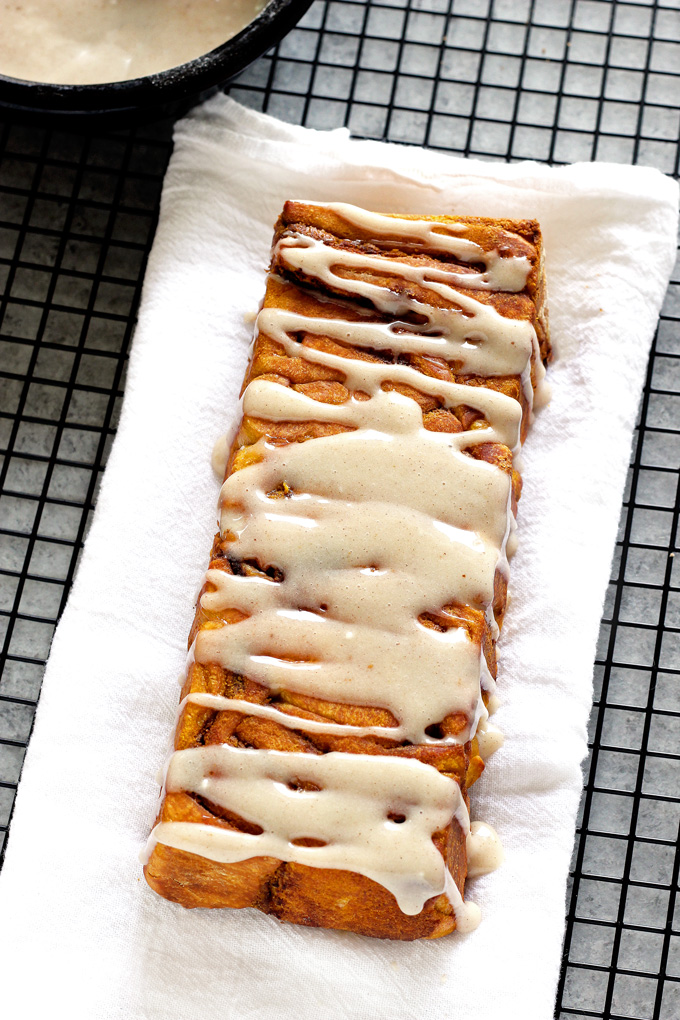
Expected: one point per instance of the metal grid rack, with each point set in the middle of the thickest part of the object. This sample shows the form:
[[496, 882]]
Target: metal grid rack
[[555, 80]]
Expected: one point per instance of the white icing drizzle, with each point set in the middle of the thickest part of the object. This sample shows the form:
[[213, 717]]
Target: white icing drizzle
[[493, 704], [484, 850], [333, 551], [350, 813], [218, 703], [543, 395], [269, 400], [379, 524], [489, 738], [502, 273], [481, 339], [220, 456], [356, 664], [511, 543]]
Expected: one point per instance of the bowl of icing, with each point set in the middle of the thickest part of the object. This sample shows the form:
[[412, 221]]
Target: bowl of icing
[[96, 57]]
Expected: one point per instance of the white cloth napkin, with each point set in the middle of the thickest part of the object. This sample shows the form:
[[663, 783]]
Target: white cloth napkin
[[82, 935]]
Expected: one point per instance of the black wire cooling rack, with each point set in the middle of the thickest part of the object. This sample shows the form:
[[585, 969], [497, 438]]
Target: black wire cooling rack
[[555, 80]]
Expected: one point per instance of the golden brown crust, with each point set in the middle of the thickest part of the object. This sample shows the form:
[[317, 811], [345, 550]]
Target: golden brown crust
[[292, 892]]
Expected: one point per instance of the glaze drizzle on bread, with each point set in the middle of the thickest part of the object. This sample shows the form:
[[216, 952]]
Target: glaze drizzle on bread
[[343, 657]]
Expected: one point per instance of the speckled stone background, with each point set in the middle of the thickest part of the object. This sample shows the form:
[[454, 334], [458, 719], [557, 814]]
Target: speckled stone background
[[555, 80]]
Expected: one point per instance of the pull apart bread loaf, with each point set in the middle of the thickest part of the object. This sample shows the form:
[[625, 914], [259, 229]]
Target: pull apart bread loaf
[[343, 657]]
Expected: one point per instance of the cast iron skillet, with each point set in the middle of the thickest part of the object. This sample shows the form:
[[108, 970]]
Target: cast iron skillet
[[164, 93]]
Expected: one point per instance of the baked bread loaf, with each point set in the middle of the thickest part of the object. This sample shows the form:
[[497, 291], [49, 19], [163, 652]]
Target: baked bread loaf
[[342, 672]]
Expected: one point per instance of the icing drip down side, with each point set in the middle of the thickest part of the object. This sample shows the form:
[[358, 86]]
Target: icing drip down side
[[373, 532]]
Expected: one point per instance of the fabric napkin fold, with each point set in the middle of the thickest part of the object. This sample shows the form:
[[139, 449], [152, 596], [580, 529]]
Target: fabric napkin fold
[[81, 933]]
